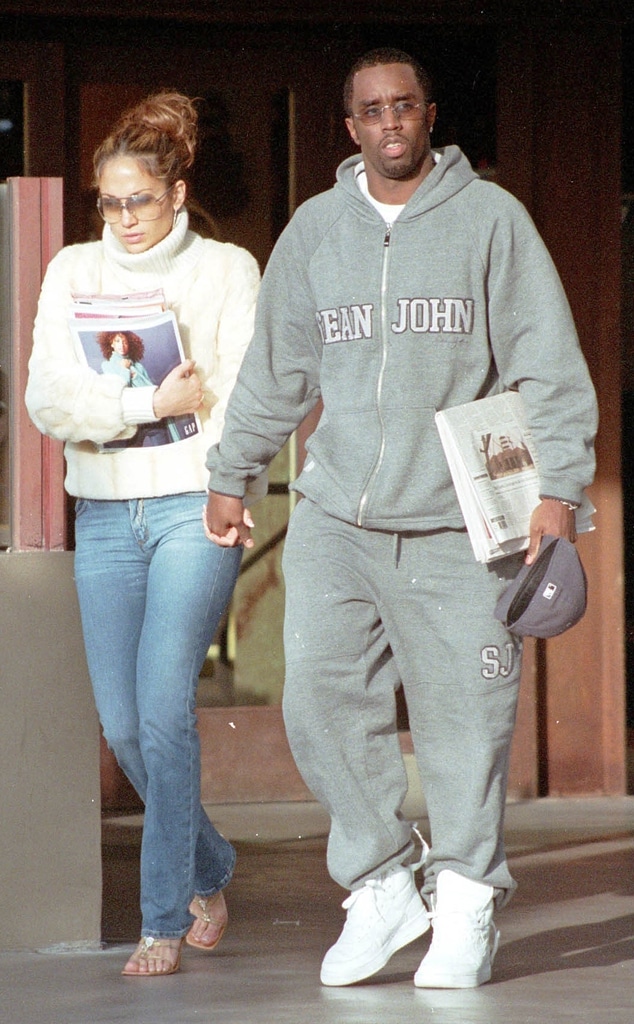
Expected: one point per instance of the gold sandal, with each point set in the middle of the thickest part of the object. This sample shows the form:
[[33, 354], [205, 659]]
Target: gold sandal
[[153, 950], [213, 911]]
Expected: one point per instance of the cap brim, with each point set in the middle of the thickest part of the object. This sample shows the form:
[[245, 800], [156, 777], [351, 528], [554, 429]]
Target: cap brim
[[547, 597]]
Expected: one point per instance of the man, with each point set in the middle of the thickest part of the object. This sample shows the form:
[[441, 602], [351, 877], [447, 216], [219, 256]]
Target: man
[[409, 287]]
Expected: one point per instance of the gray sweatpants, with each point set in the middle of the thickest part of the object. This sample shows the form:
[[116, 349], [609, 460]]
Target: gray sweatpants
[[366, 610]]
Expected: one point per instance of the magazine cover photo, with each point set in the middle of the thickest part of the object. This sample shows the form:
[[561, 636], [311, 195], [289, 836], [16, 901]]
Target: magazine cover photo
[[142, 352]]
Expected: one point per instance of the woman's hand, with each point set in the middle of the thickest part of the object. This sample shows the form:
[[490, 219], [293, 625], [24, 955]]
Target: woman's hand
[[180, 393]]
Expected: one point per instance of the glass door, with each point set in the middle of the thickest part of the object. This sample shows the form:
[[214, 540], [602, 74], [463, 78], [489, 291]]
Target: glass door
[[5, 372]]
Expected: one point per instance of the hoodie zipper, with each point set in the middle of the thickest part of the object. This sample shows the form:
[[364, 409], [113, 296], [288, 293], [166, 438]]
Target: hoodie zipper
[[379, 385]]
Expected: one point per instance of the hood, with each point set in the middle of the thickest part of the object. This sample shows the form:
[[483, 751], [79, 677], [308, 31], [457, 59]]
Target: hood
[[452, 173]]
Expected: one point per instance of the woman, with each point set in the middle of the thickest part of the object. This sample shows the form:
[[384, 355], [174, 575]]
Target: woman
[[122, 353], [151, 587]]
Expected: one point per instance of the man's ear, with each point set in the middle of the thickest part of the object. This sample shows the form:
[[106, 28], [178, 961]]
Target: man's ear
[[430, 116], [353, 132]]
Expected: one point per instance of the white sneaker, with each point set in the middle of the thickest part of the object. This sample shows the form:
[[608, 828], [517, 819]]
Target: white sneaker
[[384, 915], [465, 939]]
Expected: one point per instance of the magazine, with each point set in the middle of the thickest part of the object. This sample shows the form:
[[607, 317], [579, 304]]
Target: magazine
[[495, 470], [115, 306], [142, 351]]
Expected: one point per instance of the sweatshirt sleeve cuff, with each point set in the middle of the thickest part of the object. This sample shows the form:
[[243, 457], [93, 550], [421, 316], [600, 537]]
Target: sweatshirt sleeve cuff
[[137, 405]]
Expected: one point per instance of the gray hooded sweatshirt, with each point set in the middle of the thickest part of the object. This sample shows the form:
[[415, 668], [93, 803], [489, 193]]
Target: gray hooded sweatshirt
[[457, 300]]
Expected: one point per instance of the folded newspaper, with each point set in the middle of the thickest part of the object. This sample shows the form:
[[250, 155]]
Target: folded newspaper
[[495, 470]]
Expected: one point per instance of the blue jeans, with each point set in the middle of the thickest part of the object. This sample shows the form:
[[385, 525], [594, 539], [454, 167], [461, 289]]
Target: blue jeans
[[152, 590]]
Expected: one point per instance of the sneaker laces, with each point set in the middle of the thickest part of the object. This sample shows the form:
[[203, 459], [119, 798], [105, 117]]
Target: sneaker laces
[[448, 919], [369, 891], [366, 904], [468, 939]]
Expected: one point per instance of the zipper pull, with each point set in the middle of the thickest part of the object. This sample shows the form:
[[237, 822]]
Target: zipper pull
[[386, 240]]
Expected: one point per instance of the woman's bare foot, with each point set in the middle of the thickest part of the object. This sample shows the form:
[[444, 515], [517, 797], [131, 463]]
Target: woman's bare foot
[[154, 958], [211, 921]]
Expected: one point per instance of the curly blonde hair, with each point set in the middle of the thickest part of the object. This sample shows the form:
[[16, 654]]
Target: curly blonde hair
[[160, 132]]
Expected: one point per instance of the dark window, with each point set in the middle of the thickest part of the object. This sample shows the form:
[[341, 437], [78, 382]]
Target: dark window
[[11, 130], [627, 163]]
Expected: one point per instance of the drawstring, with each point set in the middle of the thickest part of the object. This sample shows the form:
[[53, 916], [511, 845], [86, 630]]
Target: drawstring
[[424, 849], [397, 549]]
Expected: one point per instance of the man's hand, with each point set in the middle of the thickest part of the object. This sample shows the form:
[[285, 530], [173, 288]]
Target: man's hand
[[227, 522], [550, 517]]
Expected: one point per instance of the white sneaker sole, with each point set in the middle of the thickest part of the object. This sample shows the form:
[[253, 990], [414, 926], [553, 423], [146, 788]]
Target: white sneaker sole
[[348, 973], [429, 977]]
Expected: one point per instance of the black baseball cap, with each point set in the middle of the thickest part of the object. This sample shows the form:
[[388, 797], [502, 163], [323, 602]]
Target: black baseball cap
[[547, 597]]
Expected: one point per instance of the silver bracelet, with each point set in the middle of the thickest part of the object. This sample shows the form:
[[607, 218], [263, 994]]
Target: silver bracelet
[[570, 505]]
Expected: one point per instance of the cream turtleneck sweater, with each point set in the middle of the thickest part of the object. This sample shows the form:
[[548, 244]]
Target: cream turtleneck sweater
[[211, 287]]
